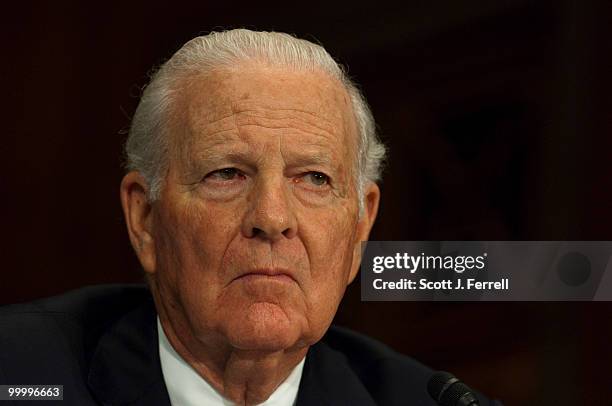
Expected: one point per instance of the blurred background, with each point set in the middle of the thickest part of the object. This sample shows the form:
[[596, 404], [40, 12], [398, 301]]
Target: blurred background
[[498, 119]]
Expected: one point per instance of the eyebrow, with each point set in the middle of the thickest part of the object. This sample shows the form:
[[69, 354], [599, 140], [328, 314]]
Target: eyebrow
[[302, 159], [242, 155], [213, 155]]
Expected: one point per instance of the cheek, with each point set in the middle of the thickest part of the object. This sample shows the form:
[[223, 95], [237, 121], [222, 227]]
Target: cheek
[[330, 256], [193, 244], [330, 248]]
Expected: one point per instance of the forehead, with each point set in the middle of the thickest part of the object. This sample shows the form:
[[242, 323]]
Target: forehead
[[309, 100]]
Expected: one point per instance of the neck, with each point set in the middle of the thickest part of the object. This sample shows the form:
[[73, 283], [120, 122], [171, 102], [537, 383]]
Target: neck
[[246, 377]]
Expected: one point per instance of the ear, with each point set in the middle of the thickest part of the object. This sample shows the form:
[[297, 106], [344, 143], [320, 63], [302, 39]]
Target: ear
[[364, 225], [138, 217]]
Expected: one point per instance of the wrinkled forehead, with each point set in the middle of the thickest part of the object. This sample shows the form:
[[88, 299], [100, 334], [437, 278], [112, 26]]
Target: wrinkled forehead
[[311, 98]]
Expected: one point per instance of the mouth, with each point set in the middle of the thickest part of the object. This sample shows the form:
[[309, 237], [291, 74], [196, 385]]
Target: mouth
[[267, 274]]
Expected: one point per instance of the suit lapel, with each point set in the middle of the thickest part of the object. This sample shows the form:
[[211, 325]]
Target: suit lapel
[[328, 379], [125, 368]]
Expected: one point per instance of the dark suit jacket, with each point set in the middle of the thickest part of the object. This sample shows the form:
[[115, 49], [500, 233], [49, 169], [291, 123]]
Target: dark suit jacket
[[100, 343]]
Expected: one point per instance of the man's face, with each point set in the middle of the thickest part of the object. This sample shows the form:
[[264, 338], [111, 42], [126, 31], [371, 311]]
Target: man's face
[[256, 234]]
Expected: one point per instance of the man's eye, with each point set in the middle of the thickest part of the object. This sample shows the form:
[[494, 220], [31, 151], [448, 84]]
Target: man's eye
[[224, 174], [317, 178]]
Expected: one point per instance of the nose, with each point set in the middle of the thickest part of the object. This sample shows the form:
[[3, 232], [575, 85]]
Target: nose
[[270, 213]]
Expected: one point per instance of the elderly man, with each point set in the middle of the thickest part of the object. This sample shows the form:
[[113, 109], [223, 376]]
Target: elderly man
[[253, 164]]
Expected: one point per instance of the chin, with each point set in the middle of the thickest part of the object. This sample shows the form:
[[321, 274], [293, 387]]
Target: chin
[[264, 327]]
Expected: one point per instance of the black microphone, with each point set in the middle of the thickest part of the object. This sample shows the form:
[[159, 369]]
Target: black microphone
[[447, 390]]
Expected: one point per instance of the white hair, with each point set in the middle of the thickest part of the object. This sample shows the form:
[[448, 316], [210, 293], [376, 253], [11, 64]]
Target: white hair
[[147, 148]]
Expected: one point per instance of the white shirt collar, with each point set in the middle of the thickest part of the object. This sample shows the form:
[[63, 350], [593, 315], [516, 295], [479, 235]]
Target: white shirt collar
[[187, 388]]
